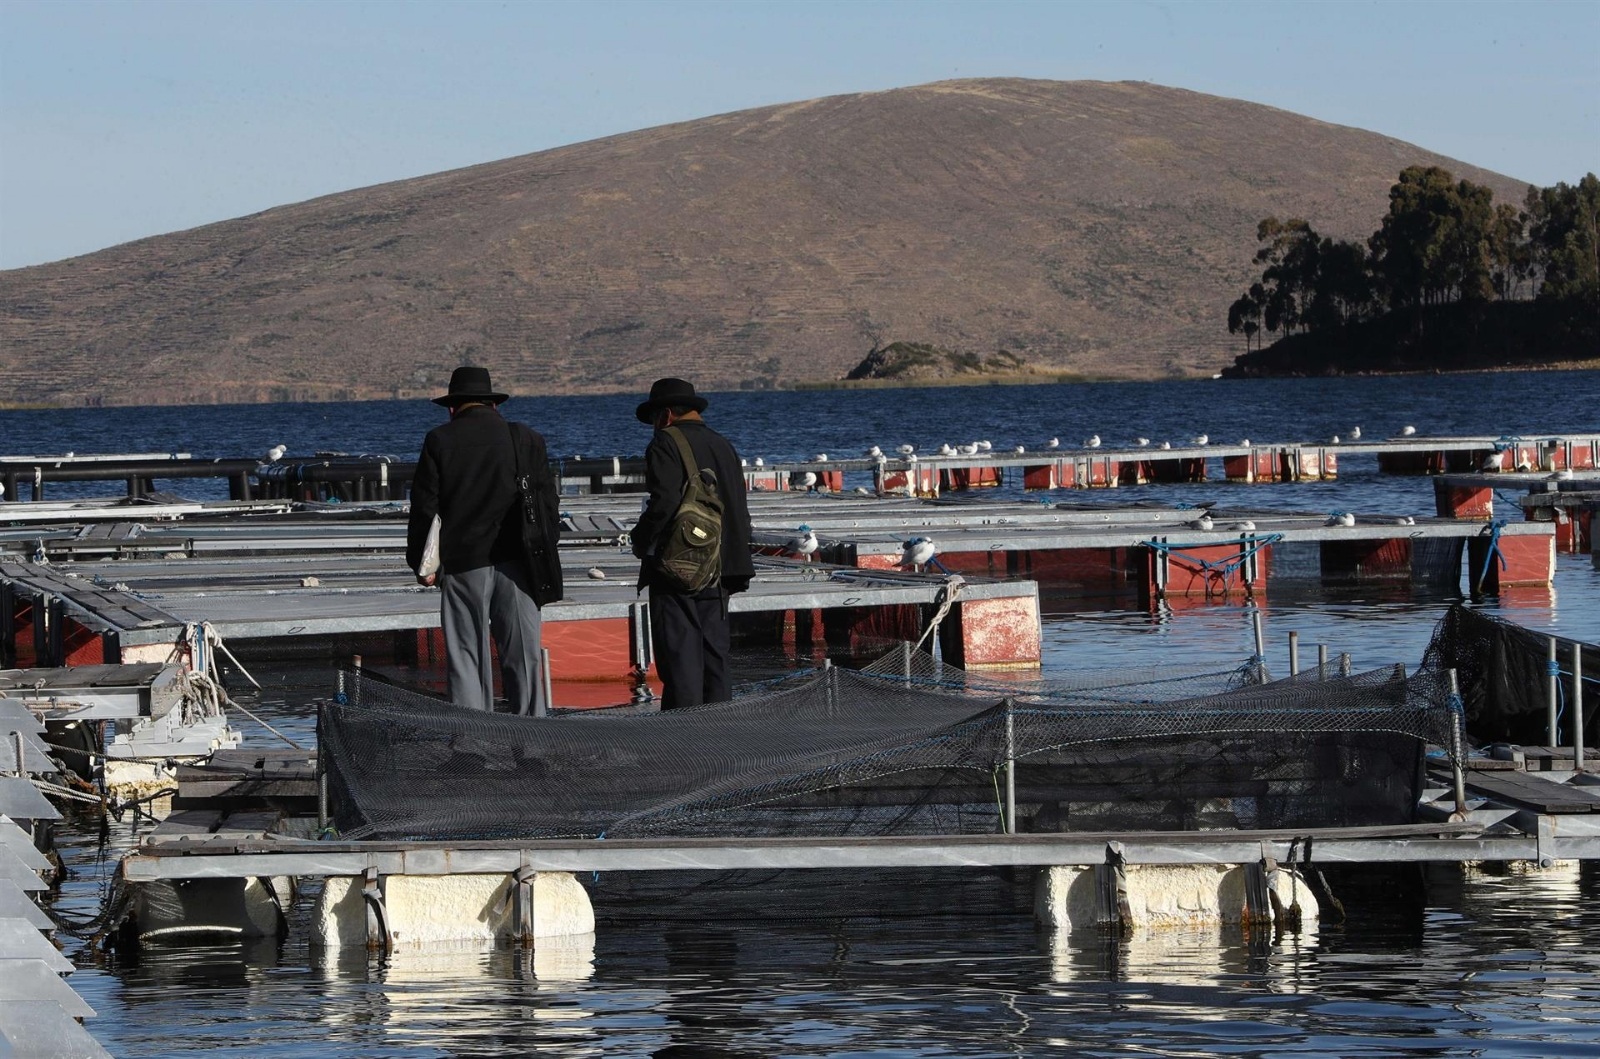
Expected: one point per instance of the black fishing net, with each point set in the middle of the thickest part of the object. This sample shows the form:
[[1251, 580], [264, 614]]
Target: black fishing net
[[904, 747], [1504, 675]]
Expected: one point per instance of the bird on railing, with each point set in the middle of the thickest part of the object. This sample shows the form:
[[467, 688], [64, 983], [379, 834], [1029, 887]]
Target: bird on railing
[[907, 450], [918, 552], [804, 545], [1141, 442], [1355, 433], [1244, 443], [821, 457], [1243, 527], [874, 453], [947, 449], [275, 453], [1202, 523], [1020, 450], [1407, 431], [984, 446], [760, 462], [1202, 439], [1334, 440], [807, 481], [1092, 441], [1053, 443], [1340, 518], [970, 449], [1166, 444]]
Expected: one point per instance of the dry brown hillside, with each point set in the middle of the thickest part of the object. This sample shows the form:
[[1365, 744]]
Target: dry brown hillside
[[1088, 227]]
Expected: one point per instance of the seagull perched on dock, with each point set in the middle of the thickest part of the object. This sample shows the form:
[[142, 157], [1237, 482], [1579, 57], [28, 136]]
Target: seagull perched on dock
[[1243, 527], [1340, 518], [1053, 443], [1407, 431], [1166, 444], [1355, 433], [947, 449], [1019, 450], [760, 462], [1202, 439], [984, 446], [1563, 475], [1491, 462], [275, 453], [1334, 440], [918, 552], [808, 481], [803, 546], [1203, 522], [1244, 442], [821, 457], [907, 450], [874, 453], [1141, 442], [970, 449], [1092, 441]]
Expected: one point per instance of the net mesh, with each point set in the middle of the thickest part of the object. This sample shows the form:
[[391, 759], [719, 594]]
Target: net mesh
[[906, 746], [1504, 674]]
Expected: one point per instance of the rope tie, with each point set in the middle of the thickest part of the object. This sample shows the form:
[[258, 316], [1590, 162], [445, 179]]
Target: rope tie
[[1218, 573], [947, 596], [1494, 551]]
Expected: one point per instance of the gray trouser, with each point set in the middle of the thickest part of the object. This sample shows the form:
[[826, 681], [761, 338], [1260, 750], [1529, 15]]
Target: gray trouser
[[476, 603]]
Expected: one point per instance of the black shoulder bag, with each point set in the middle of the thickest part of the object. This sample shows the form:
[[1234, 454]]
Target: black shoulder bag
[[540, 531]]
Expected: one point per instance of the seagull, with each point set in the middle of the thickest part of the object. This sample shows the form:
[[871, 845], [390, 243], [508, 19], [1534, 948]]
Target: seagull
[[874, 452], [1019, 450], [1243, 527], [596, 573], [1166, 444], [805, 545], [1244, 442], [275, 453], [947, 449], [1053, 443], [1407, 431], [862, 490], [1141, 442], [1202, 439], [1334, 440], [760, 462], [1092, 441], [907, 450], [984, 446], [1407, 520], [1563, 475], [808, 481], [1202, 523], [1340, 518], [821, 457], [918, 552], [743, 462], [970, 450], [1355, 433], [1491, 462]]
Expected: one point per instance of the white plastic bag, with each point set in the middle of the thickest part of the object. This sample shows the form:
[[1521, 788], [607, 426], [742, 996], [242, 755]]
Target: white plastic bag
[[430, 551]]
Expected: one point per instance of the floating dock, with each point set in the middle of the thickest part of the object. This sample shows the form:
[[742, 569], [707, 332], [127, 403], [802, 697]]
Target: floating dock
[[349, 477]]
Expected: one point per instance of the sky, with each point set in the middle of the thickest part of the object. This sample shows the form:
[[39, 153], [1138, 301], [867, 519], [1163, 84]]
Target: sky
[[127, 119]]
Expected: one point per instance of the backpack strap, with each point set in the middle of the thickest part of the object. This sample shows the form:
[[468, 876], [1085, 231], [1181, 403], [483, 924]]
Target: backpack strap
[[691, 466]]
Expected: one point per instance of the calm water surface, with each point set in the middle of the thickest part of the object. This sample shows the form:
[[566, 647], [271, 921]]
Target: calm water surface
[[1443, 965]]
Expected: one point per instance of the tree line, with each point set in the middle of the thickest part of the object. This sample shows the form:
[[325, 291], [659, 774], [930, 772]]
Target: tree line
[[1443, 241]]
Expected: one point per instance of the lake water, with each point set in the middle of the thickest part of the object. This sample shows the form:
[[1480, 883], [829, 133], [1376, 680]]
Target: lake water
[[1428, 966]]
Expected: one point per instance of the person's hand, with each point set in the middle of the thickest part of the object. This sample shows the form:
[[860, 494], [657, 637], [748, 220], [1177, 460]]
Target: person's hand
[[427, 579]]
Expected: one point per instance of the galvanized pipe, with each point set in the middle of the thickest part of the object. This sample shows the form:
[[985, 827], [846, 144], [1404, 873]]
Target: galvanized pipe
[[1011, 771], [1577, 705], [1322, 661], [1294, 654], [1261, 638], [542, 707], [1552, 694], [1458, 764]]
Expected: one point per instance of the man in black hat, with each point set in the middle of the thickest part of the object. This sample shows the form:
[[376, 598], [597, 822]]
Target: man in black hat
[[689, 631], [489, 584]]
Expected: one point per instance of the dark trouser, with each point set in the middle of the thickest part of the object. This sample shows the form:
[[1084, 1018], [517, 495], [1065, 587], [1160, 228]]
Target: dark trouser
[[476, 604], [690, 637]]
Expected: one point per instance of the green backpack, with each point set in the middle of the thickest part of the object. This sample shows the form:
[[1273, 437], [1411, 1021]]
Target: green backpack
[[690, 553]]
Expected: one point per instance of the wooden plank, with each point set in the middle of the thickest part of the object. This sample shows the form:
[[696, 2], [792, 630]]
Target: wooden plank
[[1525, 791]]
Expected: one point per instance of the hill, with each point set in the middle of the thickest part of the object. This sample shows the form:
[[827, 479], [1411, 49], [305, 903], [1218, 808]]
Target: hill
[[1094, 228]]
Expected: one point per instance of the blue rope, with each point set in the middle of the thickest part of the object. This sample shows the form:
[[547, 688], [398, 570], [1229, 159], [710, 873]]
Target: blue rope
[[1494, 550], [1219, 569]]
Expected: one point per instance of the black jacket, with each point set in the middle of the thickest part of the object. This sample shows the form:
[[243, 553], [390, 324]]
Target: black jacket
[[467, 476], [664, 476]]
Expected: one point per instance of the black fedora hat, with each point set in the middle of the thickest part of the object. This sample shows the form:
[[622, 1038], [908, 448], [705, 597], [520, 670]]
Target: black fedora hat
[[669, 393], [469, 384]]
